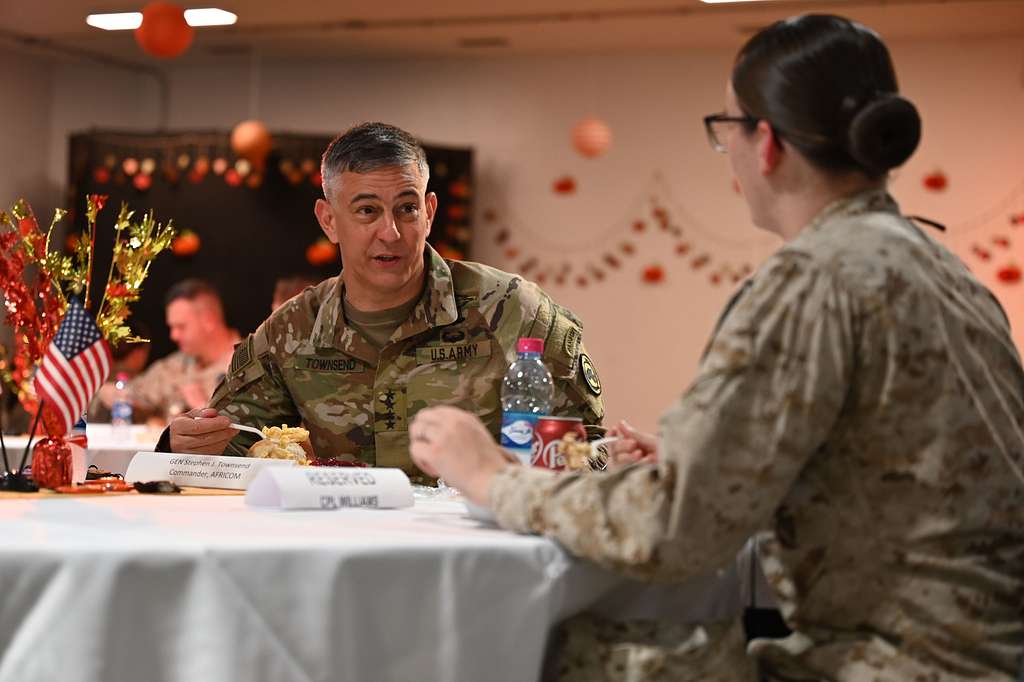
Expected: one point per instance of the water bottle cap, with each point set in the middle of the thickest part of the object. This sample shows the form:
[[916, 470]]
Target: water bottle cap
[[527, 345]]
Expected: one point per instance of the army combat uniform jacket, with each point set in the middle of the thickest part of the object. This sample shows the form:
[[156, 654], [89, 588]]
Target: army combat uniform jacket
[[862, 405], [305, 365]]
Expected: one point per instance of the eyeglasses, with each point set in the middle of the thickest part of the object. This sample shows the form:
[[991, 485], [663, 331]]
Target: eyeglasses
[[712, 119]]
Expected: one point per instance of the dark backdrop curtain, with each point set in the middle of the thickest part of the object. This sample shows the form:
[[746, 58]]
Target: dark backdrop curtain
[[251, 233]]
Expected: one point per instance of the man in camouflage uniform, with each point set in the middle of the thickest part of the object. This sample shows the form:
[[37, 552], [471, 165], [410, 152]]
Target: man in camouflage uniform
[[400, 329], [861, 406], [186, 378]]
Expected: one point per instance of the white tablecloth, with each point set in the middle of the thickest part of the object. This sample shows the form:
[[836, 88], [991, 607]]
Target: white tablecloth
[[205, 589]]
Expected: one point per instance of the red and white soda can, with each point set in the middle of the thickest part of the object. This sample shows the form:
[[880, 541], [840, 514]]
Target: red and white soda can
[[546, 436]]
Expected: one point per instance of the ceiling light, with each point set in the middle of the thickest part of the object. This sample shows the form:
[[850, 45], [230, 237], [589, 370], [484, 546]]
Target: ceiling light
[[121, 21], [128, 21], [210, 16]]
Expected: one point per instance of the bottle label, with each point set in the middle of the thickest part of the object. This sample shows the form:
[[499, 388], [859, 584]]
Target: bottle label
[[517, 429]]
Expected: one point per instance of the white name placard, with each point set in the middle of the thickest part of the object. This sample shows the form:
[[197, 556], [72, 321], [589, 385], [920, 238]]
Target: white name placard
[[200, 471], [330, 488]]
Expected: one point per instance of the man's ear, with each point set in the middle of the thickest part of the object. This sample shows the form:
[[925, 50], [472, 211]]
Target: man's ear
[[325, 216], [431, 201], [769, 148]]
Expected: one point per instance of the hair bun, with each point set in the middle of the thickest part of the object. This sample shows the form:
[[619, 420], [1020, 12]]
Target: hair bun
[[884, 133]]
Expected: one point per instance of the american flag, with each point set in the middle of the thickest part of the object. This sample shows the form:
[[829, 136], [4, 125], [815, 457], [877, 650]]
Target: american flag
[[76, 364]]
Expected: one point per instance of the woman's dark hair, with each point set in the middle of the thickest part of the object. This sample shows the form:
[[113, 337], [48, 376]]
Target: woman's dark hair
[[827, 87]]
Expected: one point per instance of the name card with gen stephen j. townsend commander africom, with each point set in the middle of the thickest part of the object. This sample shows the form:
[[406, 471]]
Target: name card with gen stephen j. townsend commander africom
[[200, 471]]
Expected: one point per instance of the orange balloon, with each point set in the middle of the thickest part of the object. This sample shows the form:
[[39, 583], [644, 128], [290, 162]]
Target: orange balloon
[[164, 32], [251, 141], [591, 137]]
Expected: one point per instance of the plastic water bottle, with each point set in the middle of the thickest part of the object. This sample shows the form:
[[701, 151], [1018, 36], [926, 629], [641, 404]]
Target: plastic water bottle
[[526, 394], [121, 410]]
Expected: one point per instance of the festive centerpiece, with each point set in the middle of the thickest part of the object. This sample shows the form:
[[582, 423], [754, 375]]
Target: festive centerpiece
[[61, 351]]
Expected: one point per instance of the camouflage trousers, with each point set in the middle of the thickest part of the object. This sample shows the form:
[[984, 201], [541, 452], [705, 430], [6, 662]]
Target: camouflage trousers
[[593, 649]]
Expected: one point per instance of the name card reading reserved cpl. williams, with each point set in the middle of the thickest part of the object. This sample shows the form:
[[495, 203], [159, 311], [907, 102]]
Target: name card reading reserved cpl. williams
[[330, 488], [200, 471]]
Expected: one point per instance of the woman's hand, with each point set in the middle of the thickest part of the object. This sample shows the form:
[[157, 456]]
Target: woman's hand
[[455, 445], [634, 446]]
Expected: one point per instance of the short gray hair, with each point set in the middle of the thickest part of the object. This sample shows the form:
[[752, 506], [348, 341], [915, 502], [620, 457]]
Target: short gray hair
[[368, 147]]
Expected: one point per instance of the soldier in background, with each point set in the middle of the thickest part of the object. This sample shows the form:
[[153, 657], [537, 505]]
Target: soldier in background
[[185, 379], [400, 329]]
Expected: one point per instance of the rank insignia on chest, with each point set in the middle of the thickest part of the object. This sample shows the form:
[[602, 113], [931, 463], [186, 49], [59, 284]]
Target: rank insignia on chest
[[457, 352]]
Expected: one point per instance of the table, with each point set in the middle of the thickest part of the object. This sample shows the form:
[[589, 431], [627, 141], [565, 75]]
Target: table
[[110, 449], [138, 587]]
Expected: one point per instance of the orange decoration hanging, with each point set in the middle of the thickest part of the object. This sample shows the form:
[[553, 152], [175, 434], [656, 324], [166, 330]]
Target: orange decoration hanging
[[142, 181], [511, 253], [564, 185], [1001, 241], [186, 244], [1009, 275], [101, 175], [638, 226], [981, 252], [653, 274], [591, 137], [611, 260], [459, 189], [935, 181], [251, 141], [627, 248], [528, 265], [682, 249], [456, 212], [232, 177], [700, 261], [321, 252], [581, 281], [164, 33], [490, 215]]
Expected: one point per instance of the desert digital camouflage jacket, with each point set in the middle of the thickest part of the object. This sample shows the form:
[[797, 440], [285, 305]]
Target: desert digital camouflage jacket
[[862, 406], [304, 364]]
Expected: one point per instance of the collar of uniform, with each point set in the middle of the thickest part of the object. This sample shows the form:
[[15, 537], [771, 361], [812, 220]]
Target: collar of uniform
[[329, 315], [436, 308], [437, 305], [868, 201]]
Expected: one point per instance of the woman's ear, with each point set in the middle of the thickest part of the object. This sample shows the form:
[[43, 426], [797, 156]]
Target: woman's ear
[[769, 148]]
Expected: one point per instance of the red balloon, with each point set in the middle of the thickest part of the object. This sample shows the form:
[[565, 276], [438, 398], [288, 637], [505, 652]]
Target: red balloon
[[164, 32]]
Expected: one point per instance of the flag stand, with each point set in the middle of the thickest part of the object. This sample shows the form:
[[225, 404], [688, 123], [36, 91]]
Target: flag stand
[[17, 481]]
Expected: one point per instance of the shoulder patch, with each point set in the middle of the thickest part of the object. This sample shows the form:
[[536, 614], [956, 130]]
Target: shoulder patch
[[243, 356], [572, 341], [590, 374]]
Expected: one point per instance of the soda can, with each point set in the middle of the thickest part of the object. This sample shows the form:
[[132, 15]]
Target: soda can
[[548, 434]]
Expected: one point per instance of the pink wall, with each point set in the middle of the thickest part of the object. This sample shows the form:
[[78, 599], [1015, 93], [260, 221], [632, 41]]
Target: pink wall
[[517, 114]]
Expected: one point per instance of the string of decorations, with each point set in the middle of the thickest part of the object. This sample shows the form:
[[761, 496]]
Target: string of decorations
[[618, 247], [998, 248]]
